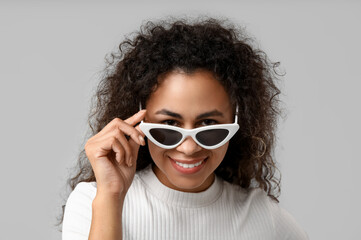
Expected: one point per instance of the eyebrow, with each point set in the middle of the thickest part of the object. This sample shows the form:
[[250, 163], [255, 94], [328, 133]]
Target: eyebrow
[[200, 116]]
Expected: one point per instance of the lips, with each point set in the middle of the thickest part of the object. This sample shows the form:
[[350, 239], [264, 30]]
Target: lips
[[190, 166], [190, 161]]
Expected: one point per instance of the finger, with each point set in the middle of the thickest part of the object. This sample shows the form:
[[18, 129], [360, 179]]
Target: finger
[[140, 131], [100, 149], [121, 143], [131, 121], [135, 146], [136, 118], [120, 153], [132, 133], [121, 128], [116, 122], [127, 148], [141, 134]]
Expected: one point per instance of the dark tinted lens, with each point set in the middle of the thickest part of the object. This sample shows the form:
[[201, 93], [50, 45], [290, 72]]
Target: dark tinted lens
[[166, 136], [212, 137]]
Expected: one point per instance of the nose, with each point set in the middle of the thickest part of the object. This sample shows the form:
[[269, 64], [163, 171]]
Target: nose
[[188, 146]]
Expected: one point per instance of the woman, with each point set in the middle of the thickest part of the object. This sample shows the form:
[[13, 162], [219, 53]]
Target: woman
[[183, 133]]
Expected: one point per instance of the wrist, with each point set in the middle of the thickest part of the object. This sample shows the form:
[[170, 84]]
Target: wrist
[[108, 201], [104, 193]]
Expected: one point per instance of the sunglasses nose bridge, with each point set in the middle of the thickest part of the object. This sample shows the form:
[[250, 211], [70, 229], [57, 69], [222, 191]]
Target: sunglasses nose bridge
[[190, 133], [188, 145]]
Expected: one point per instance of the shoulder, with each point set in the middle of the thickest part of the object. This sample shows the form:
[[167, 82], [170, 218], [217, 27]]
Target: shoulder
[[84, 192], [243, 196], [78, 211], [85, 189], [262, 210], [284, 223]]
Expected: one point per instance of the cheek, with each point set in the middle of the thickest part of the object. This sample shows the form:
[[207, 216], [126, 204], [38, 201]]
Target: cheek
[[220, 152], [155, 152]]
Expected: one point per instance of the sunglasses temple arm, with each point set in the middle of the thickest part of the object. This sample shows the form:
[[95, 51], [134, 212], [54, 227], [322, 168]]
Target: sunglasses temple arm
[[140, 107], [236, 117]]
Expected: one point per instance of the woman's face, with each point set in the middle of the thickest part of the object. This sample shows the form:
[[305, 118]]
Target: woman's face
[[188, 101]]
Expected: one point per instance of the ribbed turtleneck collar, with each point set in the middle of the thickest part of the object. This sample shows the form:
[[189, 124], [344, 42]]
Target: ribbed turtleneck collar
[[181, 199]]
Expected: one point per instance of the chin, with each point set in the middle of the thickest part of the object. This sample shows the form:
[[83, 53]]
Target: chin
[[191, 184]]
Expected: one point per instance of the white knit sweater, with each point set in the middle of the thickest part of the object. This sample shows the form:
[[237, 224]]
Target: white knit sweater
[[153, 211]]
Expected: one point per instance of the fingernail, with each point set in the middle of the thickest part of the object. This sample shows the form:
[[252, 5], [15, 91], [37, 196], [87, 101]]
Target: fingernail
[[141, 139], [130, 164]]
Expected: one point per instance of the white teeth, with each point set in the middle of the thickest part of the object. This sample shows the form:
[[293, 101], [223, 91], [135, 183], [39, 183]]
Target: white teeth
[[188, 165]]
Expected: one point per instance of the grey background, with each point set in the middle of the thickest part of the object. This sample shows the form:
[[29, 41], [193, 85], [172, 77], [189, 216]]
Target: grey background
[[51, 54]]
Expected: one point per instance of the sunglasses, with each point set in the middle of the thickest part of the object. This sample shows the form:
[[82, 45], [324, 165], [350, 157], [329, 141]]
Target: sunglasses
[[208, 137]]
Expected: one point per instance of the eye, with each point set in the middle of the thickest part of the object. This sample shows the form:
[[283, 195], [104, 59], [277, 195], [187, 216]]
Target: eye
[[170, 122], [207, 122]]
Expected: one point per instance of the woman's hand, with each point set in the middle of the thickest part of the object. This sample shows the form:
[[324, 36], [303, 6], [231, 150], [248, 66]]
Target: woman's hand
[[113, 157]]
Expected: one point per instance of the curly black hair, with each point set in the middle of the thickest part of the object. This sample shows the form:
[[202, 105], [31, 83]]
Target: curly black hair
[[133, 72]]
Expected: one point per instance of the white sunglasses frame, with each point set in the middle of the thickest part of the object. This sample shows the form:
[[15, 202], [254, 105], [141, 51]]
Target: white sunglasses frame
[[231, 127]]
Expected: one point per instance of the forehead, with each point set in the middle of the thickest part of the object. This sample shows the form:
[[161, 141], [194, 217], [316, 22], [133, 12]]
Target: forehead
[[189, 93]]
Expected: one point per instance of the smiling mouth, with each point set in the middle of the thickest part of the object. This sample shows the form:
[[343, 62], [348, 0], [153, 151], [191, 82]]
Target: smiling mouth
[[189, 165], [186, 165]]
